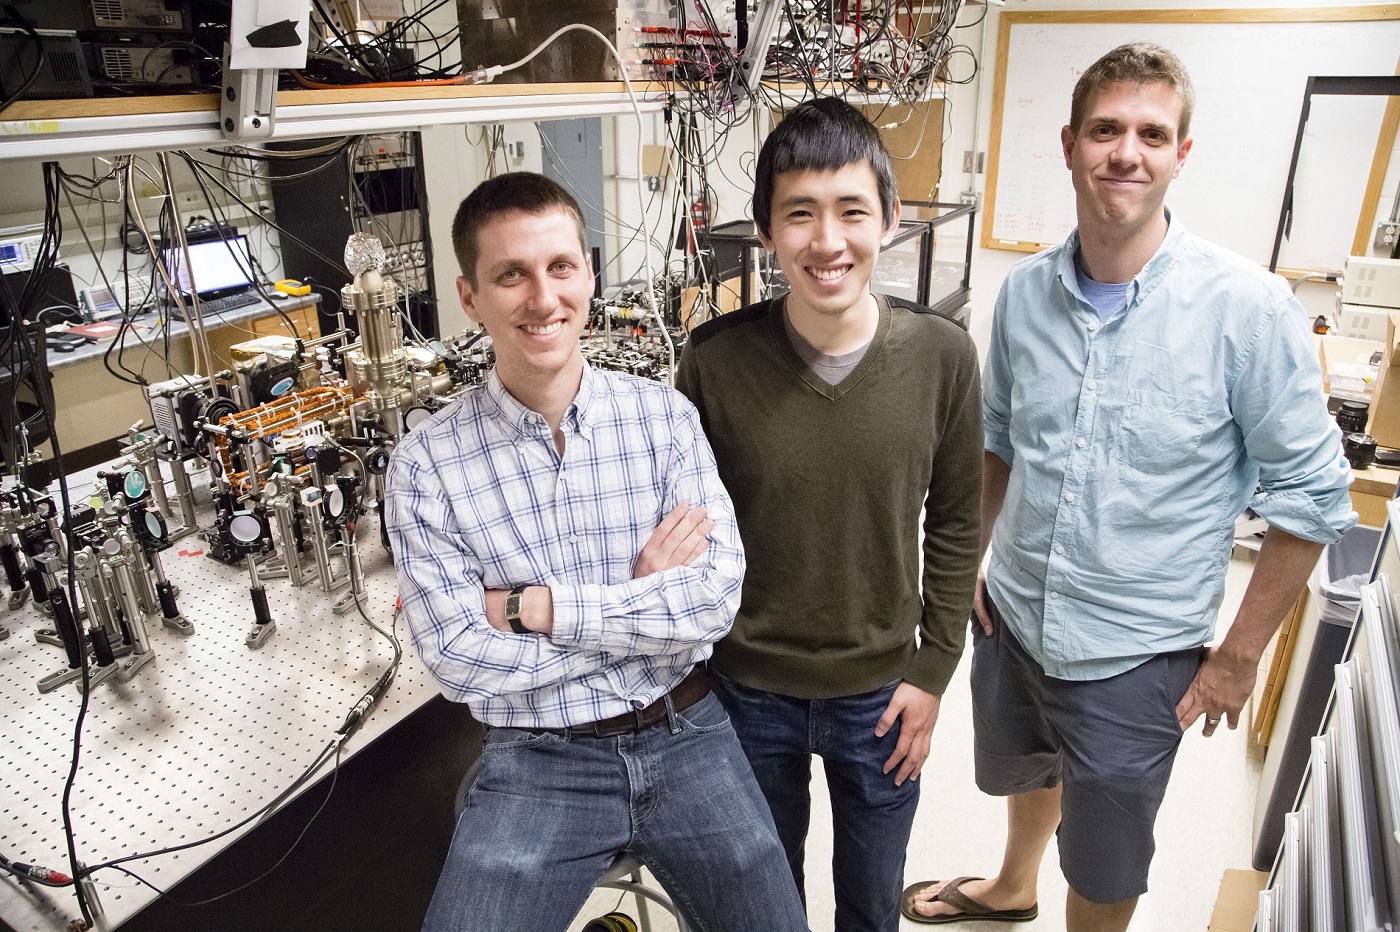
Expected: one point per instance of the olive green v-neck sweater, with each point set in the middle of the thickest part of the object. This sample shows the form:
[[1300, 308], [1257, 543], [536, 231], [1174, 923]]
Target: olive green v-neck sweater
[[828, 482]]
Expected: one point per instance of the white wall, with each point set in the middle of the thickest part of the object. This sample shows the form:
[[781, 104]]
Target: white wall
[[971, 107]]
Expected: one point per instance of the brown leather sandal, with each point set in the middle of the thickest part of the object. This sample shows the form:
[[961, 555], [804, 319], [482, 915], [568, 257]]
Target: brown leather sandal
[[968, 908]]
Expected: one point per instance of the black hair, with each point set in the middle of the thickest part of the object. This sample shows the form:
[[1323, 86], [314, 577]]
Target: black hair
[[824, 134]]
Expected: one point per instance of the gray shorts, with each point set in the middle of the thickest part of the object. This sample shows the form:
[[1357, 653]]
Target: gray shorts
[[1111, 742]]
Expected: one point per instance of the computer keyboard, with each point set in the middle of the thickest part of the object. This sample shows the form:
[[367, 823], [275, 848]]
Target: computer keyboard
[[230, 302]]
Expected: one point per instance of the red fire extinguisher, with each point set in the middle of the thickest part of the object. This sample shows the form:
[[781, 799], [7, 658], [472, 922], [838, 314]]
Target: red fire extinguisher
[[699, 221]]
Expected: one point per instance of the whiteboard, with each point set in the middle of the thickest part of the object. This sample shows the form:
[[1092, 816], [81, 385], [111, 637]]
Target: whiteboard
[[1249, 79]]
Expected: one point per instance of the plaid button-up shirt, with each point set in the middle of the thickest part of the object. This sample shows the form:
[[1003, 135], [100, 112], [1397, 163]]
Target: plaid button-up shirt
[[478, 498]]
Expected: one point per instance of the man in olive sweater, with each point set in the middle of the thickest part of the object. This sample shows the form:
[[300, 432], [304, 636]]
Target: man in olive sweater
[[837, 416]]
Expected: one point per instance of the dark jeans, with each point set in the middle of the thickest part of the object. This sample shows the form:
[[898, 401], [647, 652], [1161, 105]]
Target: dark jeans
[[548, 814], [871, 817]]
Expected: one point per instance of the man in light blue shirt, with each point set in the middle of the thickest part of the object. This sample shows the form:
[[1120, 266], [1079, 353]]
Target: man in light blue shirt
[[1141, 389]]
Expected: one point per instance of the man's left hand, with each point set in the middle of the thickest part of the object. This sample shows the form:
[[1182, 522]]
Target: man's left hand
[[917, 713], [1220, 689]]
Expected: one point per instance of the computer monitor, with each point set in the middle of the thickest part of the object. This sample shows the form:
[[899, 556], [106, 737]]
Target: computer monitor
[[219, 267]]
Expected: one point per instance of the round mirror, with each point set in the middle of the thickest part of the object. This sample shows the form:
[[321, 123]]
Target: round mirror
[[155, 526], [335, 501], [111, 546], [135, 484], [414, 416], [245, 529]]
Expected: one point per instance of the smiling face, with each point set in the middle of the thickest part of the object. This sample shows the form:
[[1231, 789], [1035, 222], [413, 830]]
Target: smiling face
[[826, 228], [1124, 157], [533, 286]]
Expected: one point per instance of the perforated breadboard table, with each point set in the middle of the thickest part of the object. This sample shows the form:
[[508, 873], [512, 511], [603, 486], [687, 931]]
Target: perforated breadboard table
[[202, 737]]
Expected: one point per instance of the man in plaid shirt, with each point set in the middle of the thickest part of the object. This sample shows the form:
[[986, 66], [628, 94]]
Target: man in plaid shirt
[[567, 556]]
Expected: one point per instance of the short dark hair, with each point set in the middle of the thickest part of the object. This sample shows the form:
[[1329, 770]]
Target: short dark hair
[[1134, 63], [528, 192], [824, 134]]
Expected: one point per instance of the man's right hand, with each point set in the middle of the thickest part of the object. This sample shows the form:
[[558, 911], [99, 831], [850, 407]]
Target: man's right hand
[[681, 537], [981, 605]]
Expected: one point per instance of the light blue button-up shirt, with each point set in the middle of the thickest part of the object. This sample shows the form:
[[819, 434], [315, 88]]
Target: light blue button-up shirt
[[1135, 443]]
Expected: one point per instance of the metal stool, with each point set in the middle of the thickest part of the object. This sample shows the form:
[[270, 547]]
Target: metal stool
[[624, 874]]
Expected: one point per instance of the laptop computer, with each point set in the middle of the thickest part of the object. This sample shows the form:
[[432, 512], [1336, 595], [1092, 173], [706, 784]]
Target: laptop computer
[[217, 269]]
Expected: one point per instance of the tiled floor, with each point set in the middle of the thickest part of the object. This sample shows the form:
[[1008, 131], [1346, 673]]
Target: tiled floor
[[1204, 827]]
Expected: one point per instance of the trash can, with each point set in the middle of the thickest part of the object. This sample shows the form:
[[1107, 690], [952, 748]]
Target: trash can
[[1344, 569]]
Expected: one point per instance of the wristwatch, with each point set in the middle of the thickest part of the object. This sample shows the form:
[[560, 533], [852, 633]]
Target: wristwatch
[[513, 610]]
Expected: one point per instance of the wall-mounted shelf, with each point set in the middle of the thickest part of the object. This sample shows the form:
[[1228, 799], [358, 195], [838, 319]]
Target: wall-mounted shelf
[[54, 129]]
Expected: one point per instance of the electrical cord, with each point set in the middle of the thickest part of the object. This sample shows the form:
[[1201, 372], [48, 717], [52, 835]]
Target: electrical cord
[[330, 790], [41, 50]]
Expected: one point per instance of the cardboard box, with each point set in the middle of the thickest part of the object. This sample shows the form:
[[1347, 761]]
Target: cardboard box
[[1348, 370], [1237, 901], [1385, 395]]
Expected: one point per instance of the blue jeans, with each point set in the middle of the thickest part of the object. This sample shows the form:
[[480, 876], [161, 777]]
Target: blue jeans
[[871, 817], [548, 814]]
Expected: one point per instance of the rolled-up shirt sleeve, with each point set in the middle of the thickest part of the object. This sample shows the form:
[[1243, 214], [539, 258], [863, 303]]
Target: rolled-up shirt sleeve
[[996, 388], [1303, 476], [677, 609], [440, 582]]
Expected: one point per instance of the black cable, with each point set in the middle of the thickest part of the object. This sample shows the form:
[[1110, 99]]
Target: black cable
[[352, 49], [54, 224], [221, 219], [978, 20], [201, 167], [357, 714], [335, 774], [41, 50]]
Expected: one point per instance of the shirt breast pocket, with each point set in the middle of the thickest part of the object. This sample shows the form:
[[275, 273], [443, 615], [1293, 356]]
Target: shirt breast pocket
[[1159, 433]]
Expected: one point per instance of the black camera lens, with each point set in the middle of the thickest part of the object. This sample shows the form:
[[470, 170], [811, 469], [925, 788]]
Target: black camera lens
[[1351, 416], [1359, 449]]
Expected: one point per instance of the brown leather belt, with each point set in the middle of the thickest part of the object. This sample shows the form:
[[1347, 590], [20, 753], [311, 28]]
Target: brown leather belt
[[686, 693]]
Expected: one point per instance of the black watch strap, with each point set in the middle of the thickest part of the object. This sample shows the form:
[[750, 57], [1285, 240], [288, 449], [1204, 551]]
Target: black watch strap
[[513, 610]]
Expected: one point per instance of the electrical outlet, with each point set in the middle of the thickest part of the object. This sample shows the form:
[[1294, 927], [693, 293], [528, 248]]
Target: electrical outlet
[[972, 198], [1387, 234]]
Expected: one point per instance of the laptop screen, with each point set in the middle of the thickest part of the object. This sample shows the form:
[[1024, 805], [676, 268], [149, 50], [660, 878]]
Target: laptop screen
[[217, 267]]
